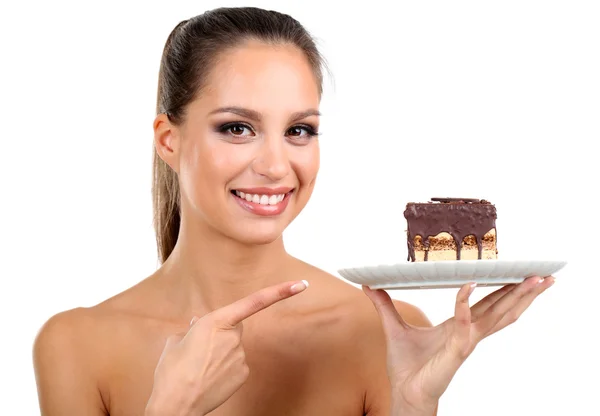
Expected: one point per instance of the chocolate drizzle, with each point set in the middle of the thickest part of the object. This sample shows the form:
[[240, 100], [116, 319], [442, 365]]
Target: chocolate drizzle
[[459, 217]]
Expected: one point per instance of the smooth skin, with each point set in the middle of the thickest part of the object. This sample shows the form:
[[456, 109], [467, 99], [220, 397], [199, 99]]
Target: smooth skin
[[218, 329]]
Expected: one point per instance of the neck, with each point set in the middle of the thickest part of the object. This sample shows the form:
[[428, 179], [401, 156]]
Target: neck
[[208, 270]]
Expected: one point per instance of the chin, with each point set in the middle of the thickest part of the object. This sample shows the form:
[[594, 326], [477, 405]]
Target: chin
[[258, 238], [256, 231]]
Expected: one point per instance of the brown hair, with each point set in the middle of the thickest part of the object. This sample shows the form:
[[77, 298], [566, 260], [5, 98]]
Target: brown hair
[[189, 53]]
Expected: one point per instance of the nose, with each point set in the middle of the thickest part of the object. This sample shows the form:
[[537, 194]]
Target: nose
[[272, 160]]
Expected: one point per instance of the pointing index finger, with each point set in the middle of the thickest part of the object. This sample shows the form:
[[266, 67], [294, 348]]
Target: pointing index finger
[[233, 314]]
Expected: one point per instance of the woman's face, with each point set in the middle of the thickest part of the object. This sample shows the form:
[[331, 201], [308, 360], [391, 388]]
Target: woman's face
[[248, 153]]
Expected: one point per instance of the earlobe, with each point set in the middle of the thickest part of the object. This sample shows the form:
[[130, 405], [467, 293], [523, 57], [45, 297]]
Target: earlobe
[[166, 141]]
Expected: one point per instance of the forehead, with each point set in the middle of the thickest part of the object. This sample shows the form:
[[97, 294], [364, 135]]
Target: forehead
[[262, 77]]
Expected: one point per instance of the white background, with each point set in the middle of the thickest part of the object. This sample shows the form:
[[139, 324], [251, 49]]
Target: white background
[[494, 100]]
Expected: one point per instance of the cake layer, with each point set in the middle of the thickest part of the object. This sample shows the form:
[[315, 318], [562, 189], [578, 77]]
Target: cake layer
[[443, 247], [436, 228]]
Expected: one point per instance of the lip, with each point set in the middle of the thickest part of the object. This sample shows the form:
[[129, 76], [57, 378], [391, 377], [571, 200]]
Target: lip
[[264, 210], [265, 191]]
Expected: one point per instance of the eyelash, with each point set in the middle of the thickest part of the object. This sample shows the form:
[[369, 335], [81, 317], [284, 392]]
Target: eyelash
[[310, 130]]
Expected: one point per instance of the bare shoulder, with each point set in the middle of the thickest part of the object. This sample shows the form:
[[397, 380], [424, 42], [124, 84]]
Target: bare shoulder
[[72, 332], [65, 365], [65, 329], [71, 353], [79, 328]]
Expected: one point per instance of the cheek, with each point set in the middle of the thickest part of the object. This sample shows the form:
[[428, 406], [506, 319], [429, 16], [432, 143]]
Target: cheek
[[307, 162], [214, 162]]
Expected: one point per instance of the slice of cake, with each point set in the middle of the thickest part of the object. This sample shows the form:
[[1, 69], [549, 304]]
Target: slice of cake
[[451, 229]]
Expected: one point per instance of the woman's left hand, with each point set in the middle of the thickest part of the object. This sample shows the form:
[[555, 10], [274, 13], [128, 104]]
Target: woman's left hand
[[421, 362]]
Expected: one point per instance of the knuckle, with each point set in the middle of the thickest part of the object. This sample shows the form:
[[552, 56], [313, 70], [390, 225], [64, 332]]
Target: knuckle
[[244, 371], [460, 349], [240, 355], [190, 379], [513, 317], [211, 319], [221, 323], [235, 337], [258, 303], [173, 340], [463, 320], [283, 292]]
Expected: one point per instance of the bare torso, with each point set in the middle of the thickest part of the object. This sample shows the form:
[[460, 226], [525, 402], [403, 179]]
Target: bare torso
[[322, 353]]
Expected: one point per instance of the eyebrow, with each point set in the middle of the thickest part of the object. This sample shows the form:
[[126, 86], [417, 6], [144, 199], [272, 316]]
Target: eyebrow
[[256, 116]]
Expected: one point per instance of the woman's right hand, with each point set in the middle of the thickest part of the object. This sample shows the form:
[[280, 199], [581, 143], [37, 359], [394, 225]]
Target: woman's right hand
[[199, 370]]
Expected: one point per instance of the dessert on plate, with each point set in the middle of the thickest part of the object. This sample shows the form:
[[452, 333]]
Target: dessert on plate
[[451, 229]]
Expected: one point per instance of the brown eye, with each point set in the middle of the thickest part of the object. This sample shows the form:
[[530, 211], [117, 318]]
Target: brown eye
[[237, 130], [304, 132], [295, 131]]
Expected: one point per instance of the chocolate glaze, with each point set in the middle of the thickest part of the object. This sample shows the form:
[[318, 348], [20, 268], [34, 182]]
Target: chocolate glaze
[[456, 200], [459, 217]]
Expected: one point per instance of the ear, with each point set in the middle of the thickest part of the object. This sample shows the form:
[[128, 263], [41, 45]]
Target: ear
[[166, 141]]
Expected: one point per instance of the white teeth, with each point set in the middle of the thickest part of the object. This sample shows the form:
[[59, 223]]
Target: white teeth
[[261, 199]]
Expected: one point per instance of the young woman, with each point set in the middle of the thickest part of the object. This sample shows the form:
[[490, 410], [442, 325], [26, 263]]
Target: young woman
[[228, 325]]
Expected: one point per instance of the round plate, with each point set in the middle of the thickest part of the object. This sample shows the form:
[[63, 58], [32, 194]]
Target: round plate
[[449, 274]]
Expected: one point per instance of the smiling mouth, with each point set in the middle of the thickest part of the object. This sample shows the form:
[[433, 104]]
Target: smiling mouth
[[261, 199]]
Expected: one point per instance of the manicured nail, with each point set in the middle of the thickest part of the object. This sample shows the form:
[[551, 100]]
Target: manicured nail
[[299, 287], [472, 288]]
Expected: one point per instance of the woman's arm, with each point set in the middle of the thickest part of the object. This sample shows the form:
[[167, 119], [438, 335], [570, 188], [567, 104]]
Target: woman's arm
[[63, 368]]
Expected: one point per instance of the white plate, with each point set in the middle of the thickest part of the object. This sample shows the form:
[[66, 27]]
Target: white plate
[[449, 274]]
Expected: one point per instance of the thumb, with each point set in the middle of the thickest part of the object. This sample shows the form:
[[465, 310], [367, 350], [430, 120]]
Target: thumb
[[384, 305]]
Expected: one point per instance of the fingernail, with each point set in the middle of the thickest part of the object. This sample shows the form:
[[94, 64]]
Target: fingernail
[[299, 287], [193, 321], [473, 285], [540, 280]]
